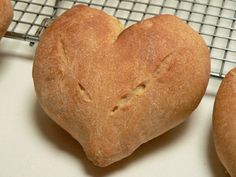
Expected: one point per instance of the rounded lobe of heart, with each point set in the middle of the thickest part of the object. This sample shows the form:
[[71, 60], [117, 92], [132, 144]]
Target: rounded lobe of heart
[[115, 89], [6, 14], [224, 122]]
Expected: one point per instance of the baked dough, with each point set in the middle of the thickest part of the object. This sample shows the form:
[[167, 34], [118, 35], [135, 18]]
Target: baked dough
[[6, 14], [224, 122], [114, 89]]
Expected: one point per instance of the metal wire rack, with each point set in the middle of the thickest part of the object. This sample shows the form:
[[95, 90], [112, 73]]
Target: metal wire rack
[[215, 20]]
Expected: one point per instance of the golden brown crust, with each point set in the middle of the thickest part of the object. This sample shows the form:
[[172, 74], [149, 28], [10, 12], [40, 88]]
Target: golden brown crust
[[224, 122], [112, 90], [6, 14]]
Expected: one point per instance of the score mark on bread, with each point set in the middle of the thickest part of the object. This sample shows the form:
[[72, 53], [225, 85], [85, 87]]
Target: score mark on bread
[[85, 95], [65, 57], [127, 97]]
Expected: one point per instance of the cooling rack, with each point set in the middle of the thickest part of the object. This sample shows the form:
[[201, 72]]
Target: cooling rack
[[213, 19]]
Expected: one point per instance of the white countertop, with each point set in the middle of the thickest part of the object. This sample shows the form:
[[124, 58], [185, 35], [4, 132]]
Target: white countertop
[[32, 145]]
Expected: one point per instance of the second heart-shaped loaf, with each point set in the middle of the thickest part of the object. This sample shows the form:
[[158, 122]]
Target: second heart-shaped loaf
[[114, 89], [224, 122]]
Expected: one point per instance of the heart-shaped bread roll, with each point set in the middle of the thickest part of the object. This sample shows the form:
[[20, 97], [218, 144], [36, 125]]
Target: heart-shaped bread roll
[[224, 122], [6, 14], [114, 89]]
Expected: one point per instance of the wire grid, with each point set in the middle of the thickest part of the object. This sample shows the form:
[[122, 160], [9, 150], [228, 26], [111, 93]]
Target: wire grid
[[213, 19]]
